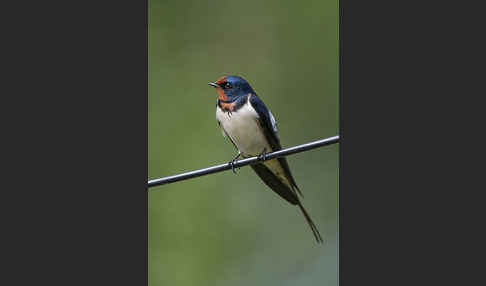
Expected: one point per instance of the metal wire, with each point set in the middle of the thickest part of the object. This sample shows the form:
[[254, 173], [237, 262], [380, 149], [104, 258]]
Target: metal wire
[[243, 162]]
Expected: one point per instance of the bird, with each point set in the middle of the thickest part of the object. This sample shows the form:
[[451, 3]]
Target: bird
[[251, 127]]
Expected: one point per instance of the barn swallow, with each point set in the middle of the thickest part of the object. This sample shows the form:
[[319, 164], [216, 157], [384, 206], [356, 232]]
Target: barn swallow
[[251, 127]]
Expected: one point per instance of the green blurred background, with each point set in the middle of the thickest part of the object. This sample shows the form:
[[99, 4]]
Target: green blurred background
[[226, 229]]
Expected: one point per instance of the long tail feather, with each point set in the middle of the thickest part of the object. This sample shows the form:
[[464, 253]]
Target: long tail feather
[[313, 227], [272, 181]]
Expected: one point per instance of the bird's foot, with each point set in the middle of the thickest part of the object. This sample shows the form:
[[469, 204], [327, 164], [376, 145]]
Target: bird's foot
[[232, 162], [263, 155]]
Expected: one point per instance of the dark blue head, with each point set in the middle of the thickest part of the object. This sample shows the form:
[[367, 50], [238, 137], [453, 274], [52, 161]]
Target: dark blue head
[[232, 87]]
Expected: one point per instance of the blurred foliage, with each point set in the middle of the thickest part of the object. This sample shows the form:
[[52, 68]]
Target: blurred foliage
[[227, 229]]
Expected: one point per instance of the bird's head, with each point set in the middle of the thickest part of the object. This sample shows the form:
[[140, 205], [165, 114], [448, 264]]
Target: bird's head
[[232, 87]]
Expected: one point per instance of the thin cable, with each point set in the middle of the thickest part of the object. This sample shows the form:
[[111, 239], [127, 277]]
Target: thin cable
[[243, 162]]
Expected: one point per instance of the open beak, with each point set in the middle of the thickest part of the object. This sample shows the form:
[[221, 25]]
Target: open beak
[[213, 84]]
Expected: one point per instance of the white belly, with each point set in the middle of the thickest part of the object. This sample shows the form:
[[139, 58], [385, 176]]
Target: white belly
[[243, 128]]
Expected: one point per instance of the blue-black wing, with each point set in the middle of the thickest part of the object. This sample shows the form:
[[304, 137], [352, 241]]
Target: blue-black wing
[[269, 127]]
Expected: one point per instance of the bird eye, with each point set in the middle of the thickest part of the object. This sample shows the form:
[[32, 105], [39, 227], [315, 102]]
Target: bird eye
[[228, 85]]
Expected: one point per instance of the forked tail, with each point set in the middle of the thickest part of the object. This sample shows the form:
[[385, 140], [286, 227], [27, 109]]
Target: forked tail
[[311, 224]]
